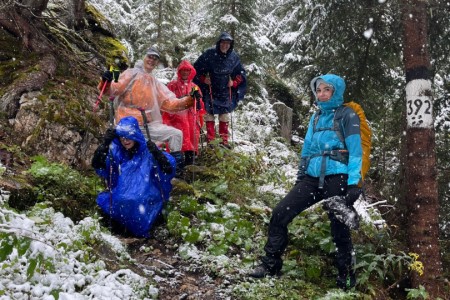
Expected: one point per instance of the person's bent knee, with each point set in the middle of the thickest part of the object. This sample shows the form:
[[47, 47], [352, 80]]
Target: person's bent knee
[[224, 118], [176, 140], [208, 118]]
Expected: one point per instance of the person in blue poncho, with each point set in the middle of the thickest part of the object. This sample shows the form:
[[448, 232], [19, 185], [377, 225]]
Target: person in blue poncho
[[138, 175], [223, 82], [321, 175]]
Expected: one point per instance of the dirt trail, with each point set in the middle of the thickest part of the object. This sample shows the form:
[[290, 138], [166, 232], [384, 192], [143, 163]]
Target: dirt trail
[[158, 258]]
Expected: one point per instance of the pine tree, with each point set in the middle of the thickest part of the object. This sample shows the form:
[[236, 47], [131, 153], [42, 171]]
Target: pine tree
[[142, 24], [241, 20]]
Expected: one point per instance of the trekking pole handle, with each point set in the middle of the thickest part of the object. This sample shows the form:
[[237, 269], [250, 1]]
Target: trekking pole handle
[[102, 91], [111, 112], [99, 98], [145, 121]]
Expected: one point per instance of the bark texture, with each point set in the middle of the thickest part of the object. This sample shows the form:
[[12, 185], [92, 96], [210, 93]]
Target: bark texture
[[50, 66], [420, 168]]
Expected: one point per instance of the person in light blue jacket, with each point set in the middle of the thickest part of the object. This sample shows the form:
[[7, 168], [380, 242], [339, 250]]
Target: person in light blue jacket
[[328, 167], [138, 176]]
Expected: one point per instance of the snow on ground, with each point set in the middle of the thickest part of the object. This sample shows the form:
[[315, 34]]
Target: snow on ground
[[47, 259], [62, 268]]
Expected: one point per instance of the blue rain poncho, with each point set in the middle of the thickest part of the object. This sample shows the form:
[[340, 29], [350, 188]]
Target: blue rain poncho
[[138, 188]]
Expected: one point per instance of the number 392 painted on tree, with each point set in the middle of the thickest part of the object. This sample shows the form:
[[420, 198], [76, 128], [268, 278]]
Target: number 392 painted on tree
[[419, 108]]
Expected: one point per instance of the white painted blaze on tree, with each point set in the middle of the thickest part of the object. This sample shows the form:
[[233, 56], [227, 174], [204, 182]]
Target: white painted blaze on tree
[[419, 103]]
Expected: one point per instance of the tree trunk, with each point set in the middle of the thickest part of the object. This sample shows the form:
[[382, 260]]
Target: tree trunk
[[159, 23], [23, 20], [78, 13], [233, 13], [32, 7], [420, 161], [18, 21]]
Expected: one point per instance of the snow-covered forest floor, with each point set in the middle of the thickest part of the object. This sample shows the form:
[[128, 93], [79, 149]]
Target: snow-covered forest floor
[[212, 236], [54, 245]]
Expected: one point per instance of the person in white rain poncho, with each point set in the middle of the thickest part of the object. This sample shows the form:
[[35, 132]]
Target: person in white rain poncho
[[137, 91]]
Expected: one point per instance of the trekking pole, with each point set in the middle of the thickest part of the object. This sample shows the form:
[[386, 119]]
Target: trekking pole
[[210, 94], [116, 72], [99, 98], [94, 109], [145, 121], [196, 138], [111, 112], [195, 121], [231, 113], [202, 135], [111, 158]]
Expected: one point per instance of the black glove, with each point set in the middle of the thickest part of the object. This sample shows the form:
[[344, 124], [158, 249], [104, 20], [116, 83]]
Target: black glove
[[162, 160], [116, 74], [152, 147], [353, 193], [108, 76], [301, 170], [195, 93], [99, 158], [109, 136]]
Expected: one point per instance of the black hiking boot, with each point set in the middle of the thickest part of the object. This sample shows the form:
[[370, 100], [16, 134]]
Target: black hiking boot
[[262, 271], [346, 282], [189, 157], [225, 145]]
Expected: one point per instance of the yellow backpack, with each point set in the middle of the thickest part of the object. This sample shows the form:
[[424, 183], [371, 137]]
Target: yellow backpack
[[365, 131], [366, 137]]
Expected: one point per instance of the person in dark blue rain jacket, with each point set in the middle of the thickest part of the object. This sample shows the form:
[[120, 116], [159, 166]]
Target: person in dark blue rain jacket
[[223, 82], [138, 176], [321, 175]]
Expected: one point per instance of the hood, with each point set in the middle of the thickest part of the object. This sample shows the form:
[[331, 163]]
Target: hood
[[139, 64], [225, 36], [128, 128], [339, 88], [186, 65]]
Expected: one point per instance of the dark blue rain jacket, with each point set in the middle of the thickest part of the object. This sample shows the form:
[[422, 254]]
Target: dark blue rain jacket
[[317, 141], [138, 187], [220, 68]]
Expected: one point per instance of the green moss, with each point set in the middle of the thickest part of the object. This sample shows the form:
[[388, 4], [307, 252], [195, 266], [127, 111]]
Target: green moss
[[67, 189], [94, 13], [114, 49], [107, 44], [15, 64], [10, 58], [67, 102]]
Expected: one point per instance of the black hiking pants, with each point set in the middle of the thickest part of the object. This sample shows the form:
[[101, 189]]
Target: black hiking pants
[[303, 195]]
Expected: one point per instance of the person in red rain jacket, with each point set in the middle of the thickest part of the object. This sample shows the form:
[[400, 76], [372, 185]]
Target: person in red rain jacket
[[188, 121]]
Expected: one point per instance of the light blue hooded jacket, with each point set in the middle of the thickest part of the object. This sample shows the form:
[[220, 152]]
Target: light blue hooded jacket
[[138, 186], [316, 142]]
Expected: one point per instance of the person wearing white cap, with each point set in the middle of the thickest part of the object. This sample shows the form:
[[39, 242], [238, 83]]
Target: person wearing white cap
[[137, 91]]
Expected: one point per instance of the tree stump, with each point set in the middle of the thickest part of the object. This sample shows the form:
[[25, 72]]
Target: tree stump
[[284, 114]]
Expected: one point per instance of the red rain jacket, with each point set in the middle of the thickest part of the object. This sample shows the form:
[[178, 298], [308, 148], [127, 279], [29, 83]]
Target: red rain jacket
[[188, 121]]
